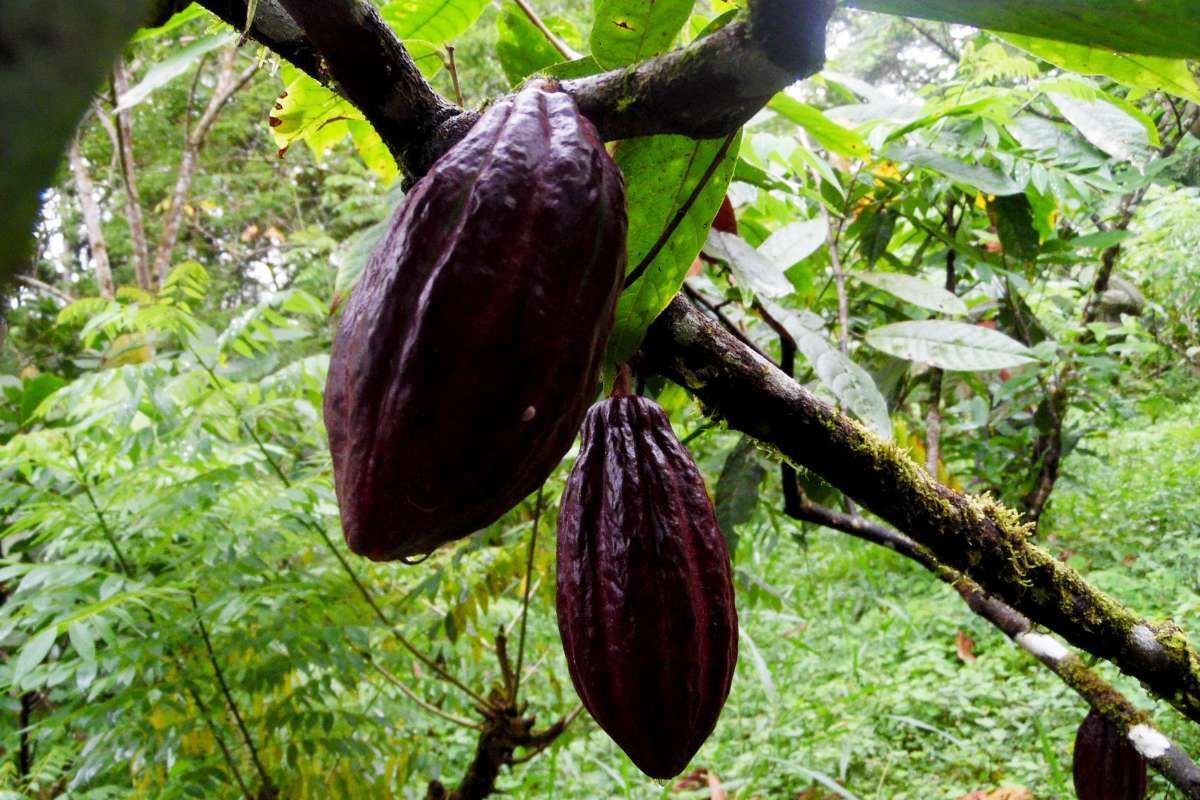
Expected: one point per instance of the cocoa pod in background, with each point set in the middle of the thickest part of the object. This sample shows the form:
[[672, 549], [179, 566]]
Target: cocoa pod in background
[[471, 348], [725, 221], [1106, 764], [645, 592]]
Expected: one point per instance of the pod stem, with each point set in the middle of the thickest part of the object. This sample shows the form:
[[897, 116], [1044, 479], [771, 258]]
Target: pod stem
[[623, 385]]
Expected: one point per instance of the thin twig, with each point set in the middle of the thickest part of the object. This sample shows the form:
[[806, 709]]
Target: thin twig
[[320, 531], [42, 286], [537, 519], [416, 698], [558, 44], [106, 529], [1173, 764], [681, 214], [453, 68], [233, 708]]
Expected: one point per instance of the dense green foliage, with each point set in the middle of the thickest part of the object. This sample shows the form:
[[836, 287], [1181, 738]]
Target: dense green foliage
[[168, 528]]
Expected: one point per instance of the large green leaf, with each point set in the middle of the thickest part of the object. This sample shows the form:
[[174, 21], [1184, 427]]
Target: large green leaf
[[661, 172], [626, 31], [848, 382], [172, 67], [1107, 125], [911, 289], [972, 176], [824, 131], [436, 21], [736, 495], [1170, 75], [1168, 28], [754, 272], [522, 48], [955, 346]]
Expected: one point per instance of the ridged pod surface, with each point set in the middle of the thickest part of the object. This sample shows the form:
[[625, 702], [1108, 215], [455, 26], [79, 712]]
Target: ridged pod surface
[[1106, 765], [471, 347], [645, 593]]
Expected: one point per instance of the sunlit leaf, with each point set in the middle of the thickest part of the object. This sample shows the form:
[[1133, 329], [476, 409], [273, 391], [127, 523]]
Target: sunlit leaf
[[954, 346]]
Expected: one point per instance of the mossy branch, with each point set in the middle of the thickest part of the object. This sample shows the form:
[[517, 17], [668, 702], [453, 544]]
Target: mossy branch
[[973, 535], [1163, 755]]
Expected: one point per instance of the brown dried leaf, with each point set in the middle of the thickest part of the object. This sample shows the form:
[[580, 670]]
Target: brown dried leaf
[[714, 785], [965, 646], [1005, 793]]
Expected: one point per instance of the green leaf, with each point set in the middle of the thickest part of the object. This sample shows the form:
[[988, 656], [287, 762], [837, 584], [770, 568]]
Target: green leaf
[[760, 667], [373, 151], [852, 385], [352, 255], [308, 112], [954, 346], [1013, 217], [827, 133], [520, 46], [82, 640], [172, 67], [569, 70], [914, 290], [435, 21], [627, 31], [975, 177], [426, 55], [661, 172], [194, 11], [33, 653], [754, 272], [37, 390], [1169, 28], [1152, 74], [1106, 125], [736, 495], [877, 234], [795, 242]]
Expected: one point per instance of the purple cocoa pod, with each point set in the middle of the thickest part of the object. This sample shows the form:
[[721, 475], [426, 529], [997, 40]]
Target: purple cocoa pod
[[645, 591], [471, 347]]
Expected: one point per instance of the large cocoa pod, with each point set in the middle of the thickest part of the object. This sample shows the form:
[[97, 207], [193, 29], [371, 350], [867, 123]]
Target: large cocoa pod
[[645, 595], [1107, 767], [471, 347]]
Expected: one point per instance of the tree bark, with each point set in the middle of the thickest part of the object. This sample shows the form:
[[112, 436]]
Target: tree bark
[[973, 535], [228, 84], [1164, 756], [133, 200], [97, 244]]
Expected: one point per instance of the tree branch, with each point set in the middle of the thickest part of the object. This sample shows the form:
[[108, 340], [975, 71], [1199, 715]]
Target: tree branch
[[976, 536], [86, 191], [744, 64], [133, 201], [378, 76], [1167, 758], [229, 83], [273, 28], [45, 288]]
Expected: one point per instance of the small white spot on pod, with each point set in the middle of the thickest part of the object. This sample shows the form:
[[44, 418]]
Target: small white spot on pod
[[1043, 646], [529, 414], [1149, 742]]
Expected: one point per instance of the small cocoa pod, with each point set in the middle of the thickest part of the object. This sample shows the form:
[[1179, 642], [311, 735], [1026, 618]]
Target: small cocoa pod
[[471, 348], [645, 594], [726, 219], [1106, 765]]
